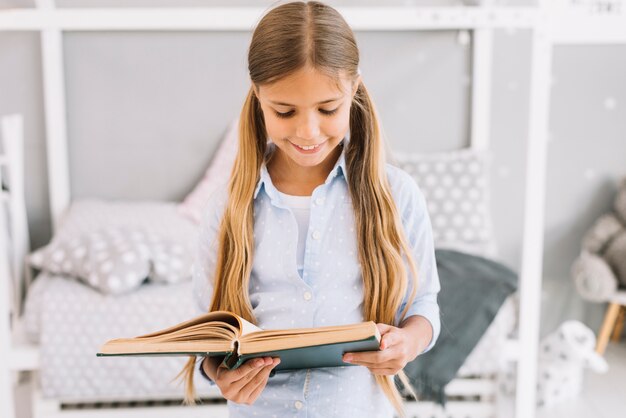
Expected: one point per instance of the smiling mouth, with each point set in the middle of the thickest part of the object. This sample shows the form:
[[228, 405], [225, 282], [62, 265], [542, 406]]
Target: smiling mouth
[[308, 148]]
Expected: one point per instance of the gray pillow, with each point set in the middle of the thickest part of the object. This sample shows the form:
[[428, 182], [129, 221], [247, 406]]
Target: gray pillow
[[114, 246], [170, 261], [456, 188], [116, 260]]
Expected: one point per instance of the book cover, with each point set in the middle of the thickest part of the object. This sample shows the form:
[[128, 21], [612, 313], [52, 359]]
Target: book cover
[[222, 333]]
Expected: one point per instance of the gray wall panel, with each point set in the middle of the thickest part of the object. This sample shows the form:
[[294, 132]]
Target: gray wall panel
[[145, 110]]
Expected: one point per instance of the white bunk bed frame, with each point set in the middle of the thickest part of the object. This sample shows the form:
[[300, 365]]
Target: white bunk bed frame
[[550, 22]]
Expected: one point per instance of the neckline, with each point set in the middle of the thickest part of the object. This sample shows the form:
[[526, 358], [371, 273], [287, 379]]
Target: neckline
[[296, 202]]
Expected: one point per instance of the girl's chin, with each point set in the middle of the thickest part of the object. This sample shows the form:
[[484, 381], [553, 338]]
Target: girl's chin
[[307, 161]]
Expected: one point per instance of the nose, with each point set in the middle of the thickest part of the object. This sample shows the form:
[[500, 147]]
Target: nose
[[308, 127]]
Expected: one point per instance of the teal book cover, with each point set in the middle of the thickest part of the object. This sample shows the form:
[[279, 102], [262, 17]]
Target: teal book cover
[[326, 355]]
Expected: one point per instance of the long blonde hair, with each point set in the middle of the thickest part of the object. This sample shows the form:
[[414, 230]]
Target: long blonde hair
[[286, 39]]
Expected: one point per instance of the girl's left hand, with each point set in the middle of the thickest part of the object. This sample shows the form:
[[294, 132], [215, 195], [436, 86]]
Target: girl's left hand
[[397, 347]]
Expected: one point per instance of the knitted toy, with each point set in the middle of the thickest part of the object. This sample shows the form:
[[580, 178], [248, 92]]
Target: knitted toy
[[563, 356], [601, 267]]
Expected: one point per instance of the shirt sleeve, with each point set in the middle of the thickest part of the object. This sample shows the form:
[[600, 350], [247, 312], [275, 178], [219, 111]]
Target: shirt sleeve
[[418, 231]]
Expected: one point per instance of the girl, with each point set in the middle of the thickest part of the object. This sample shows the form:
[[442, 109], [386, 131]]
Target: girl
[[314, 229]]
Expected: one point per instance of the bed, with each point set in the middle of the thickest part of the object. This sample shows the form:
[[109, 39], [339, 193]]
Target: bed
[[60, 357]]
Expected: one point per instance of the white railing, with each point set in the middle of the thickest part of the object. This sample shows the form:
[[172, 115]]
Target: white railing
[[14, 246]]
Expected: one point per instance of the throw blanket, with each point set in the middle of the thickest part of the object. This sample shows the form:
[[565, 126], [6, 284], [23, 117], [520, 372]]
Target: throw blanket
[[472, 290]]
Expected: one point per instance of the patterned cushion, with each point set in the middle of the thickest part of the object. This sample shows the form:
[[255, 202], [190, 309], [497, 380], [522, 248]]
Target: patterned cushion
[[115, 246], [456, 187], [218, 171], [104, 259]]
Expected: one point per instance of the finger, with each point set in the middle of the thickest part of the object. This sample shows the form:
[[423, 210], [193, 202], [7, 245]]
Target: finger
[[255, 366], [246, 371], [384, 328], [260, 379], [237, 388], [386, 359], [246, 389], [256, 391], [368, 357], [388, 340], [367, 363]]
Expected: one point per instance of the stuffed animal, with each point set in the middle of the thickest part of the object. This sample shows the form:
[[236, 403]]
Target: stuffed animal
[[601, 267], [562, 358]]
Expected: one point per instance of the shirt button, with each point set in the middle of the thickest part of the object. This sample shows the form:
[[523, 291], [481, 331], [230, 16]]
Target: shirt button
[[307, 296], [319, 201], [298, 405], [316, 235]]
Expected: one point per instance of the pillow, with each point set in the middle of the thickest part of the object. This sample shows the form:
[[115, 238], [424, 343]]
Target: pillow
[[115, 246], [220, 167], [104, 259], [456, 188]]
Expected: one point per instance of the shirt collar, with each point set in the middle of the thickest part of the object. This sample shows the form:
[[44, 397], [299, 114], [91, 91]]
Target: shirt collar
[[265, 180]]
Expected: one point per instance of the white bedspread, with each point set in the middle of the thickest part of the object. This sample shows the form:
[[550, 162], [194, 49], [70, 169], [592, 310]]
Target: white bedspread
[[70, 320]]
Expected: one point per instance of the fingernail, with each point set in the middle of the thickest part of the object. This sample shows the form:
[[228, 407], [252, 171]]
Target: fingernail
[[347, 358]]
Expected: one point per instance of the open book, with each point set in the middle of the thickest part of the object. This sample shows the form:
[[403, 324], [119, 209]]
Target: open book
[[223, 333]]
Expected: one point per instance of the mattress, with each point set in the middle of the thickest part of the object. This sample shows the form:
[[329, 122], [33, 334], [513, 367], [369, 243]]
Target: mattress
[[70, 321]]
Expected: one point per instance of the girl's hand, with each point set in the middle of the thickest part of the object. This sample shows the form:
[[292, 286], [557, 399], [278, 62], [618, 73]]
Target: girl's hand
[[244, 384], [398, 346]]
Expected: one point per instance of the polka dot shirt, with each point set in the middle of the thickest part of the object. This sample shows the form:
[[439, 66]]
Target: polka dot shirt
[[330, 291]]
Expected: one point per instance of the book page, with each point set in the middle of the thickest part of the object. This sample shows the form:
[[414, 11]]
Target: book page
[[216, 316], [304, 337], [213, 331], [247, 327]]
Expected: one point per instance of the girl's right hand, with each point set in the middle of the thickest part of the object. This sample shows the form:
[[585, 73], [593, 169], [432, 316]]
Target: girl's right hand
[[244, 384]]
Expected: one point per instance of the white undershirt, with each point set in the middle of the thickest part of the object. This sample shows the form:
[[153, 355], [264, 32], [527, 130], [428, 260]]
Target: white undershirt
[[301, 208]]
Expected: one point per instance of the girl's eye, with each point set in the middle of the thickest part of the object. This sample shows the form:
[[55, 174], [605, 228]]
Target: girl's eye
[[291, 112], [328, 112], [284, 115]]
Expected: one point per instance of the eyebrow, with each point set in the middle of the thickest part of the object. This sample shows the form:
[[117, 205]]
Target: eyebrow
[[319, 103]]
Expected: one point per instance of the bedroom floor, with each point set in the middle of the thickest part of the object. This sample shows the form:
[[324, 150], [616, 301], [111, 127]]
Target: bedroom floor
[[598, 399]]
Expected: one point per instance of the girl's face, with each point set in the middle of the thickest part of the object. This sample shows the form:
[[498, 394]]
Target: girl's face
[[306, 114]]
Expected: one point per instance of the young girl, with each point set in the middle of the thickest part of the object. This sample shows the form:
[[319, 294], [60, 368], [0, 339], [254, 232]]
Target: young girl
[[314, 228]]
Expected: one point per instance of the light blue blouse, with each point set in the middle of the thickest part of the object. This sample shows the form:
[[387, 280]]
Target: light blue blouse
[[330, 291]]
